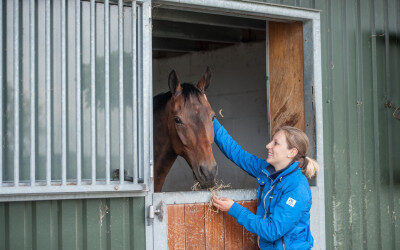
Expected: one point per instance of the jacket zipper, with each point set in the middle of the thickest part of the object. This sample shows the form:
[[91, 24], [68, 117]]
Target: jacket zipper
[[258, 237], [283, 243]]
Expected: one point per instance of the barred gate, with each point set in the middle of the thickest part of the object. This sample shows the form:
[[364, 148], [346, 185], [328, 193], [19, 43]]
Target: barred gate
[[75, 99]]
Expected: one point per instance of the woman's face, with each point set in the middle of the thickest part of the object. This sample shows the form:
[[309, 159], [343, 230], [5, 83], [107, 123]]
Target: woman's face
[[278, 153]]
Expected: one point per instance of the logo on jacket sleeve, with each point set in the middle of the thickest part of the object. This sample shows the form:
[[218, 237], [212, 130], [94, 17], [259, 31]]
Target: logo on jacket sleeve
[[291, 202]]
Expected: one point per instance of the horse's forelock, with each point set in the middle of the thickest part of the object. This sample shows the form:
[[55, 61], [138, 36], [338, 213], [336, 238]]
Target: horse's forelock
[[189, 90]]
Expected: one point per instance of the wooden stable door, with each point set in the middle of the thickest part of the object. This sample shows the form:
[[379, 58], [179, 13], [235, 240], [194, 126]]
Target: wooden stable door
[[195, 226], [286, 75]]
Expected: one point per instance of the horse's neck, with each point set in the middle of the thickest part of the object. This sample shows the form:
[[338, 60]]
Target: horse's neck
[[164, 156]]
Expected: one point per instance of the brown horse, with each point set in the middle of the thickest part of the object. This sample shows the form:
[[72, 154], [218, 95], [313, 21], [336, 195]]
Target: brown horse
[[183, 125]]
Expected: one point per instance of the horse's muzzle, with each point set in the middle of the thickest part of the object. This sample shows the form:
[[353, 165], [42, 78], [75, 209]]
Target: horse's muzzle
[[207, 176]]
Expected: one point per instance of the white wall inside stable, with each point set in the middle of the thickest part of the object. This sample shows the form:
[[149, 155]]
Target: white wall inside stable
[[238, 87]]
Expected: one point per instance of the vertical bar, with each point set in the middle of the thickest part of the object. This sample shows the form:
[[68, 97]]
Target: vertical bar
[[16, 93], [150, 100], [121, 88], [140, 88], [134, 94], [107, 84], [1, 94], [78, 92], [48, 93], [146, 45], [93, 85], [63, 95], [32, 34]]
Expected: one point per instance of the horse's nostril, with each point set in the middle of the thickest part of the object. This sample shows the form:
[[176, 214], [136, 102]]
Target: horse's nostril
[[202, 171]]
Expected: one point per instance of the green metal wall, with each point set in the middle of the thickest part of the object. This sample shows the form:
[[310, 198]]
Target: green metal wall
[[361, 73], [73, 224]]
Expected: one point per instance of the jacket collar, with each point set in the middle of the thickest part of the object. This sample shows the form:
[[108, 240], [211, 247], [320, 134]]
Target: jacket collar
[[293, 167]]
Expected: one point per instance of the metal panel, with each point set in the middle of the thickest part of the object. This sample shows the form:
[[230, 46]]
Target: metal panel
[[70, 124], [116, 223]]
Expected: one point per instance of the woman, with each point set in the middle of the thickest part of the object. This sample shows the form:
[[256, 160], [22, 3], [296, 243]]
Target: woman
[[284, 196]]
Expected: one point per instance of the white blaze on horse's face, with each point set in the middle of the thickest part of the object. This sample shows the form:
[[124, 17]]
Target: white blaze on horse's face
[[192, 133]]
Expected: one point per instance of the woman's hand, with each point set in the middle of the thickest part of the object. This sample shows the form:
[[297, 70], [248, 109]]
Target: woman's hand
[[223, 204]]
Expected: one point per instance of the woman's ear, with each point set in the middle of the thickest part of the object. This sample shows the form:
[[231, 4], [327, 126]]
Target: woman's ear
[[293, 152]]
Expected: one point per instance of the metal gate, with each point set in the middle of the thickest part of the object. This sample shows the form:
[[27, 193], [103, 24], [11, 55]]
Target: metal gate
[[75, 99]]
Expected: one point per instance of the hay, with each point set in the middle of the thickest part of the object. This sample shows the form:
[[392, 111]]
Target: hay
[[214, 191]]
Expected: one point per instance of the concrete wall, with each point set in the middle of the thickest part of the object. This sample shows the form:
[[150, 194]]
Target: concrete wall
[[238, 87]]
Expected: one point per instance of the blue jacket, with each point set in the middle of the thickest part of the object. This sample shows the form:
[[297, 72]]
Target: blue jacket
[[283, 208]]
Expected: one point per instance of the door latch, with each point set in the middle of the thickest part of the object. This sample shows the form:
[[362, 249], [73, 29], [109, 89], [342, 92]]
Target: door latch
[[157, 211]]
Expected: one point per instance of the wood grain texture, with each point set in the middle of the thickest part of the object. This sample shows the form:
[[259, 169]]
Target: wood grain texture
[[286, 76], [233, 232], [176, 226], [214, 225], [195, 229], [194, 226], [249, 239]]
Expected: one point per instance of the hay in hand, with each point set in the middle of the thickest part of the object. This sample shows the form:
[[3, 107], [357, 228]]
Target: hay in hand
[[214, 191]]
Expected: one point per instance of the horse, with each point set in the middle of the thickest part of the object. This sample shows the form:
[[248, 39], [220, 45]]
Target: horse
[[183, 125]]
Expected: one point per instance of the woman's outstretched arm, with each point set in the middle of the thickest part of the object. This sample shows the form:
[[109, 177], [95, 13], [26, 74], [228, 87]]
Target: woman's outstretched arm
[[248, 162]]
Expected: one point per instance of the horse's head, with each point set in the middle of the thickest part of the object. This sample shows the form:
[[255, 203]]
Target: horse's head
[[190, 124]]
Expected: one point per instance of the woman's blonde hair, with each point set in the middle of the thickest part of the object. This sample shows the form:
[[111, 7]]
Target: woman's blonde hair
[[296, 138]]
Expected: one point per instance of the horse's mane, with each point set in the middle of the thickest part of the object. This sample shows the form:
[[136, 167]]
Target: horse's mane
[[188, 90]]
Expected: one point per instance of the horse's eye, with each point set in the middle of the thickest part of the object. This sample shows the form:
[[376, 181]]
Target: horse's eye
[[178, 120]]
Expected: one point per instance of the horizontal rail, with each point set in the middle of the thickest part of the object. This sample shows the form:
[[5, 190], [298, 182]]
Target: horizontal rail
[[39, 192]]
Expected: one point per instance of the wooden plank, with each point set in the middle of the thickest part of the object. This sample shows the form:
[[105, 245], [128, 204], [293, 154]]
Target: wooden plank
[[214, 229], [194, 223], [286, 76], [176, 226], [233, 232], [250, 239]]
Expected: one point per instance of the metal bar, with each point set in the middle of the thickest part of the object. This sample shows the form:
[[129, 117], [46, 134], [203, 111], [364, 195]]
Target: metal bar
[[150, 100], [78, 92], [63, 95], [32, 36], [132, 192], [134, 94], [93, 85], [140, 88], [121, 88], [1, 94], [48, 93], [58, 189], [16, 92], [146, 46], [107, 84]]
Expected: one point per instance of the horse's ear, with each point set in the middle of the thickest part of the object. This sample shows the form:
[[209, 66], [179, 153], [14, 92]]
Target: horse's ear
[[204, 82], [173, 83]]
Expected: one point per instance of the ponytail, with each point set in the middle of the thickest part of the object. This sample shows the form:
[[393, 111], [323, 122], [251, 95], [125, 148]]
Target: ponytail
[[309, 167]]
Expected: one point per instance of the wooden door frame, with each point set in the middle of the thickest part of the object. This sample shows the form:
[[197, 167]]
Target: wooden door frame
[[313, 108]]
